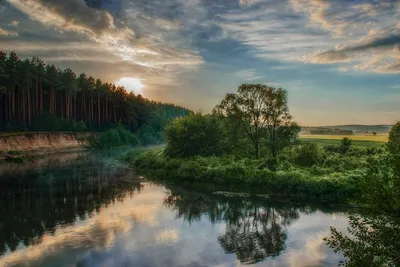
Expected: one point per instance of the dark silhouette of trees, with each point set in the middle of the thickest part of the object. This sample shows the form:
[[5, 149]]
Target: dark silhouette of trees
[[38, 202], [31, 90]]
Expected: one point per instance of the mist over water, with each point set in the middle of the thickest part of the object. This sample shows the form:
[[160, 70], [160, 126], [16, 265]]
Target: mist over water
[[85, 210]]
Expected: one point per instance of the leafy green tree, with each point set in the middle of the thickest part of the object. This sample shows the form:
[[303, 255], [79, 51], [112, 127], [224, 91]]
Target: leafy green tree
[[194, 135], [262, 112]]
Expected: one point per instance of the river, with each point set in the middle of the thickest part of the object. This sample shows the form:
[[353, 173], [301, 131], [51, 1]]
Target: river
[[86, 210]]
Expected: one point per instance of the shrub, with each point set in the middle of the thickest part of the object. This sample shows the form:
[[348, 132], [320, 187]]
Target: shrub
[[345, 144], [147, 135], [194, 135], [112, 138], [308, 154], [317, 183]]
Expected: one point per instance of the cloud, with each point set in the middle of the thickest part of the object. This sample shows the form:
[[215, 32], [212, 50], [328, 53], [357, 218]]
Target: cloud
[[248, 75], [383, 59], [327, 57], [141, 39], [4, 32], [390, 42], [14, 23], [368, 34], [248, 2], [271, 31], [390, 68]]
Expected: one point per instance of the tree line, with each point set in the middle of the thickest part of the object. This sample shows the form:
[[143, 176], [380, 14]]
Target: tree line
[[39, 96]]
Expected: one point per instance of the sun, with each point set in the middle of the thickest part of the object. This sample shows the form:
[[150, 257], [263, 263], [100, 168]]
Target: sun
[[131, 84]]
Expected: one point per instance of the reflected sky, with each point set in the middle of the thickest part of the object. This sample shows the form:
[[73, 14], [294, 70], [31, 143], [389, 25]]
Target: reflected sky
[[145, 224]]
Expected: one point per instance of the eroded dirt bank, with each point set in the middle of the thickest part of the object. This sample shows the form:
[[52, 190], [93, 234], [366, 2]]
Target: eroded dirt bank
[[30, 144]]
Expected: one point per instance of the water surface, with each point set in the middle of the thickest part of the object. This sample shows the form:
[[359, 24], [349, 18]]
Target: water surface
[[82, 210]]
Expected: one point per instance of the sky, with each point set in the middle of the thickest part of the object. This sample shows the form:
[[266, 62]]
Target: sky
[[338, 59]]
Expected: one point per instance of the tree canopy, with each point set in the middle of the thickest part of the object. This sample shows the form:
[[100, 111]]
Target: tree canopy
[[39, 96], [261, 111]]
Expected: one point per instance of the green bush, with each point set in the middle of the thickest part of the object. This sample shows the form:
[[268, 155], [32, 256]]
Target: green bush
[[112, 138], [147, 135], [346, 144], [307, 154], [194, 135]]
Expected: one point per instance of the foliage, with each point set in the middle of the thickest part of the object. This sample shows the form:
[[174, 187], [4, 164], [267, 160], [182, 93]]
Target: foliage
[[33, 93], [261, 111], [394, 146], [49, 122], [345, 144], [375, 236], [307, 155], [194, 135], [374, 242], [113, 138], [246, 174], [148, 135]]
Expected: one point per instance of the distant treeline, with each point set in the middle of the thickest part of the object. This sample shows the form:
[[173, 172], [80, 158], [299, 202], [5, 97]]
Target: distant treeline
[[39, 96], [326, 131]]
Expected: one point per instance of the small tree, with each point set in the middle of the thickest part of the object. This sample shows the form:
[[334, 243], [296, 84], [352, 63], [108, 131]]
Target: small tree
[[374, 133], [346, 144]]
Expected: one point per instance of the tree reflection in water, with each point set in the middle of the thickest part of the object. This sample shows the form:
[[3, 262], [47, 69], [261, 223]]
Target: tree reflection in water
[[35, 204], [255, 228]]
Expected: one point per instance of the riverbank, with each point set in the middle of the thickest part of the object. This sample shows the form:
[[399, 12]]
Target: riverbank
[[249, 175], [18, 145]]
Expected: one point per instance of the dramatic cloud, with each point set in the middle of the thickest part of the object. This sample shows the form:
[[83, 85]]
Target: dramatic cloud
[[136, 32], [383, 50], [367, 32], [182, 49]]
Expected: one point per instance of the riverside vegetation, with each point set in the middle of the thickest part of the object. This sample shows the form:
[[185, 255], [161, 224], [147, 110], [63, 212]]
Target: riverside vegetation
[[249, 143]]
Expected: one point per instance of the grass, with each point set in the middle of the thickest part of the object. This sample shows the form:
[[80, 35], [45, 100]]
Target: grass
[[357, 140], [247, 175]]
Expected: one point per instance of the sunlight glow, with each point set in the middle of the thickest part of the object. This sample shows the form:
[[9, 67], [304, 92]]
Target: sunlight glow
[[131, 84]]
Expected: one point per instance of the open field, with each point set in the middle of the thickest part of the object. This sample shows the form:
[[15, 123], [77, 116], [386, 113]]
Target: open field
[[358, 140]]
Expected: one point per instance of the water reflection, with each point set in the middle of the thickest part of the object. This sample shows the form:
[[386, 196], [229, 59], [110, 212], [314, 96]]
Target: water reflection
[[255, 229], [40, 202], [89, 211]]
